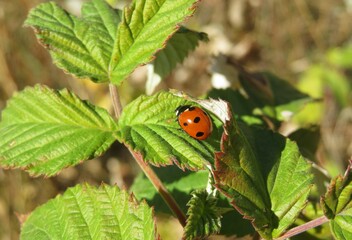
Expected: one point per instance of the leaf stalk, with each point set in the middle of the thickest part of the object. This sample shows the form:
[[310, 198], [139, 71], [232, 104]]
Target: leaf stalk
[[304, 227], [148, 171]]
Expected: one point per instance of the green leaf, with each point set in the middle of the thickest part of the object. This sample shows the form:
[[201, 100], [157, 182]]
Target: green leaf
[[243, 108], [81, 46], [337, 204], [203, 216], [145, 27], [263, 97], [340, 57], [342, 224], [267, 89], [264, 175], [44, 131], [274, 96], [289, 183], [287, 175], [176, 50], [233, 223], [179, 183], [339, 84], [106, 44], [104, 20], [237, 175], [307, 140], [86, 212], [339, 195], [283, 91], [149, 126], [173, 178]]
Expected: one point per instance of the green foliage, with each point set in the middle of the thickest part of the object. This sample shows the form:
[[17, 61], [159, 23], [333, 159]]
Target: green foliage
[[179, 183], [331, 77], [267, 90], [261, 172], [243, 108], [203, 216], [106, 44], [289, 183], [81, 46], [86, 212], [149, 125], [176, 50], [237, 175], [144, 29], [264, 100], [340, 57], [307, 140], [264, 175], [44, 131], [337, 205]]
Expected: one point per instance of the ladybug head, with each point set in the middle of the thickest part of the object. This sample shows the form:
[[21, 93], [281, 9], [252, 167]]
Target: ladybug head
[[181, 109]]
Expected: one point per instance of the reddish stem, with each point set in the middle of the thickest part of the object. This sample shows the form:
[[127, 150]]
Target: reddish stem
[[303, 228], [159, 186]]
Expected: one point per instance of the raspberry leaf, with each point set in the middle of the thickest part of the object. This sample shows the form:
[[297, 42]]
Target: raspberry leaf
[[106, 44], [337, 205], [80, 46], [149, 126], [145, 27], [203, 216], [264, 175], [176, 50], [44, 131], [87, 212]]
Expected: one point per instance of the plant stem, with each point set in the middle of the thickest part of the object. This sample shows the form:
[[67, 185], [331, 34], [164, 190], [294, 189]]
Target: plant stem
[[304, 227], [159, 186], [116, 103]]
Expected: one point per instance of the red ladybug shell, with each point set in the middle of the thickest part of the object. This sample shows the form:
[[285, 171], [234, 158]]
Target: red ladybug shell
[[194, 121]]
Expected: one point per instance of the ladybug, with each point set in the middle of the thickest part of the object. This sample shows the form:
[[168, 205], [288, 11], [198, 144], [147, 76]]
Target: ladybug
[[194, 121]]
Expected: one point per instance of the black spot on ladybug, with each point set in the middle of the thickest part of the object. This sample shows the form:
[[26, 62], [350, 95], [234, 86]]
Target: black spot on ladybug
[[196, 120], [199, 134]]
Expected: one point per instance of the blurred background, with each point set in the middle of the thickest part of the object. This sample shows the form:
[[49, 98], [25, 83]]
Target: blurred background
[[307, 43]]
